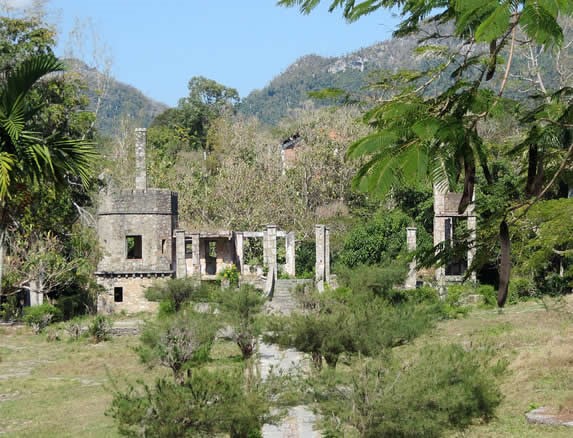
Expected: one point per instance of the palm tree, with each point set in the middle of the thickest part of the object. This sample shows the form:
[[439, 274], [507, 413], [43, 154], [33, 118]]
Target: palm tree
[[28, 159]]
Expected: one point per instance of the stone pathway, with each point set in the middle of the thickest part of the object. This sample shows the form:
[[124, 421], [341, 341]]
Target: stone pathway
[[299, 422]]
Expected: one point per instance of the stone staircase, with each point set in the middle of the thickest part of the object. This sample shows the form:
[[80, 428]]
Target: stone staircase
[[282, 299]]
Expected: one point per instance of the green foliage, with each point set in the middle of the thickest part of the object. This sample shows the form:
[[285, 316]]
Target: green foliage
[[387, 399], [377, 279], [99, 329], [242, 309], [178, 342], [208, 403], [305, 259], [175, 292], [231, 275], [378, 240], [10, 308], [339, 322], [39, 317]]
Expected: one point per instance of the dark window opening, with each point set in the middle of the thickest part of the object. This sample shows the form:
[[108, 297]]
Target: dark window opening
[[457, 245], [118, 294], [134, 247], [213, 249], [163, 246], [211, 257], [188, 249]]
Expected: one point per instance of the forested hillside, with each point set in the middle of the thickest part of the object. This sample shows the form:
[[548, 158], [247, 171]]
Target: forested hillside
[[351, 72], [116, 100]]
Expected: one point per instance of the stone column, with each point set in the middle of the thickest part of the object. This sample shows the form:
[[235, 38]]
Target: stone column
[[327, 255], [319, 233], [271, 258], [472, 225], [239, 251], [180, 264], [290, 254], [140, 169], [196, 256], [439, 237], [411, 246]]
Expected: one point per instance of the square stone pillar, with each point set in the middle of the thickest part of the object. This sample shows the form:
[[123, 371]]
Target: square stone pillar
[[411, 246], [439, 237], [196, 256], [320, 237], [239, 252], [140, 169], [290, 247], [472, 225], [271, 257], [180, 263], [327, 255]]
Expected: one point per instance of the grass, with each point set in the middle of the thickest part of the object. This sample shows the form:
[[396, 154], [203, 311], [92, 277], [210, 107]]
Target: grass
[[537, 341], [62, 389]]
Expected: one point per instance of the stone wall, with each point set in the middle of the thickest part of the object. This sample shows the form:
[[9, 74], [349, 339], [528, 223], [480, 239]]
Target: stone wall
[[133, 294], [151, 214]]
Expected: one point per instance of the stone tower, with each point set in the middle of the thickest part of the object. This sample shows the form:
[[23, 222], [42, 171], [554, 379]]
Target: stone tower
[[136, 235]]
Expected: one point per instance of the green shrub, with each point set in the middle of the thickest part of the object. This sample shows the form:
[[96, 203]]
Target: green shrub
[[100, 328], [230, 274], [209, 403], [376, 279], [443, 389], [488, 294], [39, 317], [377, 240], [305, 259], [424, 294], [10, 310], [177, 292], [522, 288]]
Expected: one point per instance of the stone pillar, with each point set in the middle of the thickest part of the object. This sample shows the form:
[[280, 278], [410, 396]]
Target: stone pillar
[[439, 237], [180, 263], [327, 255], [239, 252], [290, 254], [196, 256], [411, 246], [319, 233], [271, 257], [472, 225], [140, 169], [35, 294]]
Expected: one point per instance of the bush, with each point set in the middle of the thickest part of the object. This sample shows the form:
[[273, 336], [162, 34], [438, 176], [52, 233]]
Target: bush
[[177, 292], [376, 279], [10, 309], [489, 295], [392, 399], [210, 403], [100, 328], [230, 274], [39, 317], [379, 239], [521, 288]]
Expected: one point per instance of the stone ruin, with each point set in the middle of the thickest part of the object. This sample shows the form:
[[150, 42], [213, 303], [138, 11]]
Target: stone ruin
[[141, 240], [446, 221]]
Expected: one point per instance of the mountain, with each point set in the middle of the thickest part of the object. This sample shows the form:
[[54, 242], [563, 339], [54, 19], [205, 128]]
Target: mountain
[[351, 72], [119, 99]]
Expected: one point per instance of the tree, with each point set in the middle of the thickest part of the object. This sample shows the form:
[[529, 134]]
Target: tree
[[190, 121], [420, 134], [26, 158]]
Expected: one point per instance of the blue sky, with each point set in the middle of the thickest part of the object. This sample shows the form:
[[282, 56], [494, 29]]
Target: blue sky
[[158, 45]]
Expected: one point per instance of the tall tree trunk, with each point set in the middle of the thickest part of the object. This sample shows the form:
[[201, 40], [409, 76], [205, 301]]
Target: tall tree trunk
[[2, 242]]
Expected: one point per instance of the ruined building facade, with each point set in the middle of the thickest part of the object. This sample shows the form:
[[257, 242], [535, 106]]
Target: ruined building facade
[[142, 243]]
